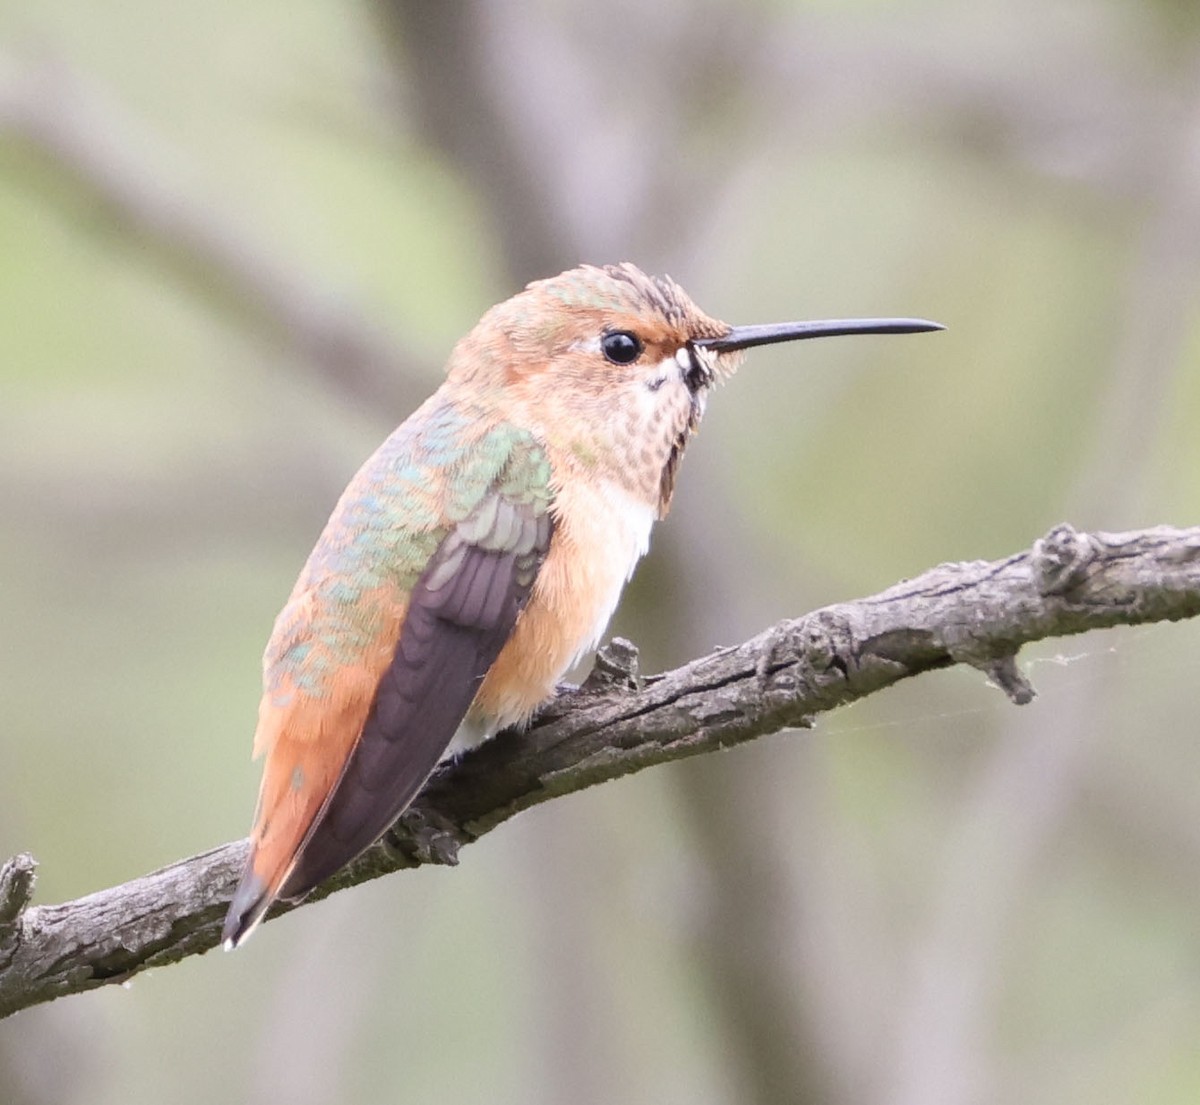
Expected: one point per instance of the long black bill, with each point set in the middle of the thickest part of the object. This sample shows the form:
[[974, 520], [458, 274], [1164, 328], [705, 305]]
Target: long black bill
[[743, 337]]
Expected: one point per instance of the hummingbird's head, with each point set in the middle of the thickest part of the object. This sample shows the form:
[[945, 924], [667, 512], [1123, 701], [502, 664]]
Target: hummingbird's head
[[602, 329], [612, 368]]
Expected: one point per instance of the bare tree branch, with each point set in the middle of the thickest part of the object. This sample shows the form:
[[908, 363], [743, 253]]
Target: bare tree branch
[[980, 613], [1027, 788]]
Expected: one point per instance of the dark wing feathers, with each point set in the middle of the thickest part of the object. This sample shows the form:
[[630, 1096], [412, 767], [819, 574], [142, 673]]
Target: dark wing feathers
[[460, 614]]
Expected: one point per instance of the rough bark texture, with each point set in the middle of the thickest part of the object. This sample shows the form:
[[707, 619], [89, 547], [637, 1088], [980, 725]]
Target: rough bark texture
[[978, 613]]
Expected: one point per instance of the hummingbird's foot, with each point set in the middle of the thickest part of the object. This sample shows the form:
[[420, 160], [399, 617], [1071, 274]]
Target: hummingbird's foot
[[426, 836], [556, 706]]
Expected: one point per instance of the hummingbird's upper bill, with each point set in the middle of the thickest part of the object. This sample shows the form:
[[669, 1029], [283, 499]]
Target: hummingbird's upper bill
[[745, 337]]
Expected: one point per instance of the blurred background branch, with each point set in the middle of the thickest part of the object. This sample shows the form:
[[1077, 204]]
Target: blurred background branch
[[112, 180]]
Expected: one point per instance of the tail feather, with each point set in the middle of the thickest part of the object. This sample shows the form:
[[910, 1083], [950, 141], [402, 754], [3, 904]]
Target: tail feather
[[250, 903]]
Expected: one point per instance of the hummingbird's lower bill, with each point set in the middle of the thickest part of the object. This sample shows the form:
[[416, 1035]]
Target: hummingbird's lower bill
[[478, 554]]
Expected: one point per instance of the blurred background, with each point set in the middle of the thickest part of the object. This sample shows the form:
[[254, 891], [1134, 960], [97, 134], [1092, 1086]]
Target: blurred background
[[236, 243]]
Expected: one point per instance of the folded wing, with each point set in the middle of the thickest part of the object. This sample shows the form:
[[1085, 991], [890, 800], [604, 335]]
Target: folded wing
[[409, 596], [460, 616]]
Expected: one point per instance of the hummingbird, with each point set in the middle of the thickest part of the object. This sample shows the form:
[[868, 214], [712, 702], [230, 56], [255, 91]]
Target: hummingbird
[[478, 554]]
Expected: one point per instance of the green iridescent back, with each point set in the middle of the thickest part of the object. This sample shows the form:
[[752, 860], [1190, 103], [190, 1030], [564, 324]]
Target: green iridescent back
[[425, 479]]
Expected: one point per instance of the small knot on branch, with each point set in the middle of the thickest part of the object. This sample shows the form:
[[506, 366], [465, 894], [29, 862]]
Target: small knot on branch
[[1003, 671], [17, 879], [997, 660], [617, 664], [822, 644], [1061, 559]]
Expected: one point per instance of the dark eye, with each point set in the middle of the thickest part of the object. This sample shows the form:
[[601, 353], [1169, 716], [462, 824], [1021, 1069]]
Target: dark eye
[[621, 347]]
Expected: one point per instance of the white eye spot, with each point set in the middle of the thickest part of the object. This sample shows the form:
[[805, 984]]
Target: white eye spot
[[697, 365]]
